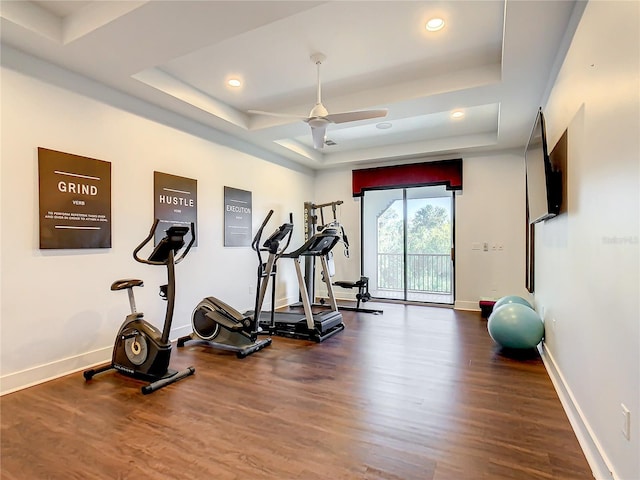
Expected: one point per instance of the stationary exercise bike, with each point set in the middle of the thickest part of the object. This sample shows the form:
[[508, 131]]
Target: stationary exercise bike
[[222, 326], [141, 350]]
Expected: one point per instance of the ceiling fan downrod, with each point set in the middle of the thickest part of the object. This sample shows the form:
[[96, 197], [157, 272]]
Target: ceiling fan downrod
[[319, 109]]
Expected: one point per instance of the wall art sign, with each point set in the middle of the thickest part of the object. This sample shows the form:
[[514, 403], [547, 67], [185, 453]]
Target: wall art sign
[[75, 201], [237, 217], [176, 202]]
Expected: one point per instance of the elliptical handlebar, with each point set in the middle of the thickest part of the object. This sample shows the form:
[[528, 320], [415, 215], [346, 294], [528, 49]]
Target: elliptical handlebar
[[258, 235], [170, 244], [255, 244], [272, 245]]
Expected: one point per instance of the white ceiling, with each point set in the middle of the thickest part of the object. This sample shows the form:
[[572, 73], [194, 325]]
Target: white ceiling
[[493, 60]]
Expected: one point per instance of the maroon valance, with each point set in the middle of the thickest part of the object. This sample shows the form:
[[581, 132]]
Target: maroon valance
[[443, 172]]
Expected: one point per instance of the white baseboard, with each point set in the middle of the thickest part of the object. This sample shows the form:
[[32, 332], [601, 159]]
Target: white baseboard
[[601, 467], [180, 332], [280, 303], [13, 382], [464, 305]]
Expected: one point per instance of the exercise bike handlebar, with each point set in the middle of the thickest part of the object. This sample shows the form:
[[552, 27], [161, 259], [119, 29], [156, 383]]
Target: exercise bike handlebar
[[150, 236]]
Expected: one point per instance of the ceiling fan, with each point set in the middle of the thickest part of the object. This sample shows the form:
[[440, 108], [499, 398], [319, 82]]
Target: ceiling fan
[[319, 117]]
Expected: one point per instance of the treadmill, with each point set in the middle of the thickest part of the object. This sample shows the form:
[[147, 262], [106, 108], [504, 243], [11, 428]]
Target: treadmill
[[308, 325]]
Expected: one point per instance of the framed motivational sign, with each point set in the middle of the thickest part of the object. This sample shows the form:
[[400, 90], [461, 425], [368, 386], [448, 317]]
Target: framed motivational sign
[[75, 201], [237, 217], [176, 202]]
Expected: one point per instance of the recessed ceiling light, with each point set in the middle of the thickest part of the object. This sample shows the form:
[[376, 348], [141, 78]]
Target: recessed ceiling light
[[457, 114], [234, 82], [435, 24], [384, 125]]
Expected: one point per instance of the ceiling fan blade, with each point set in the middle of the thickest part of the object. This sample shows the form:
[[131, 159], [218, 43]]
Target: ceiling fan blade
[[318, 134], [318, 118], [281, 115], [354, 116]]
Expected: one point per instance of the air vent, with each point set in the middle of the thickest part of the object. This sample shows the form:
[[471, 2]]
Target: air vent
[[329, 142]]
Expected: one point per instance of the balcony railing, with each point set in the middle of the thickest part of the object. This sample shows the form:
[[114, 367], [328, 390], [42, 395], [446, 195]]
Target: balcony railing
[[426, 272]]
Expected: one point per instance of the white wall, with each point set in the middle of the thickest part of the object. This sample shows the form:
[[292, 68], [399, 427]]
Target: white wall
[[490, 209], [58, 314], [587, 262]]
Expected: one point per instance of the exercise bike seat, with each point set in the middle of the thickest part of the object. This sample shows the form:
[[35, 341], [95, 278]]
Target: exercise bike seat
[[126, 283]]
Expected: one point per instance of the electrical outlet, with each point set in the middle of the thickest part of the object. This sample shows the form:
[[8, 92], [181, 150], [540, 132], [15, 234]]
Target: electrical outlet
[[626, 422], [475, 246], [485, 246]]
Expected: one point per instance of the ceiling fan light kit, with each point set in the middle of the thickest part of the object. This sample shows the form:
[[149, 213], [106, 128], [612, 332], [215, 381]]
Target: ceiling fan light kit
[[319, 117]]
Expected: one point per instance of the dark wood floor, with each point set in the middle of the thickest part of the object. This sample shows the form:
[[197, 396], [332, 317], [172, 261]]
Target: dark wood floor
[[415, 393]]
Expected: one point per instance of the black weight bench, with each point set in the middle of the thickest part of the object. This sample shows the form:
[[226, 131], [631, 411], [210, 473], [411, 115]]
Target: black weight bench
[[363, 294]]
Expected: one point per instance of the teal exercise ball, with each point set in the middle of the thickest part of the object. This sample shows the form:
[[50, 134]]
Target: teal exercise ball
[[515, 326], [511, 299]]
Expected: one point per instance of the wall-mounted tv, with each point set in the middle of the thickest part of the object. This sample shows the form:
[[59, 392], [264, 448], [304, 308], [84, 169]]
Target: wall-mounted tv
[[544, 184]]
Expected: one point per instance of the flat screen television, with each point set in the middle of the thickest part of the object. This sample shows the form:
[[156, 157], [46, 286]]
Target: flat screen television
[[544, 184]]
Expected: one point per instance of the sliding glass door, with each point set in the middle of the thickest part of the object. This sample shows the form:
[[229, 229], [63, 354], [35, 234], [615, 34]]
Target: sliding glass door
[[407, 241]]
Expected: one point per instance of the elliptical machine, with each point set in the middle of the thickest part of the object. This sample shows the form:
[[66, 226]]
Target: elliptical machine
[[222, 326], [141, 350]]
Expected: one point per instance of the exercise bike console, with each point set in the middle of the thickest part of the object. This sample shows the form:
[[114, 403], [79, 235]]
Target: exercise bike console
[[174, 240]]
